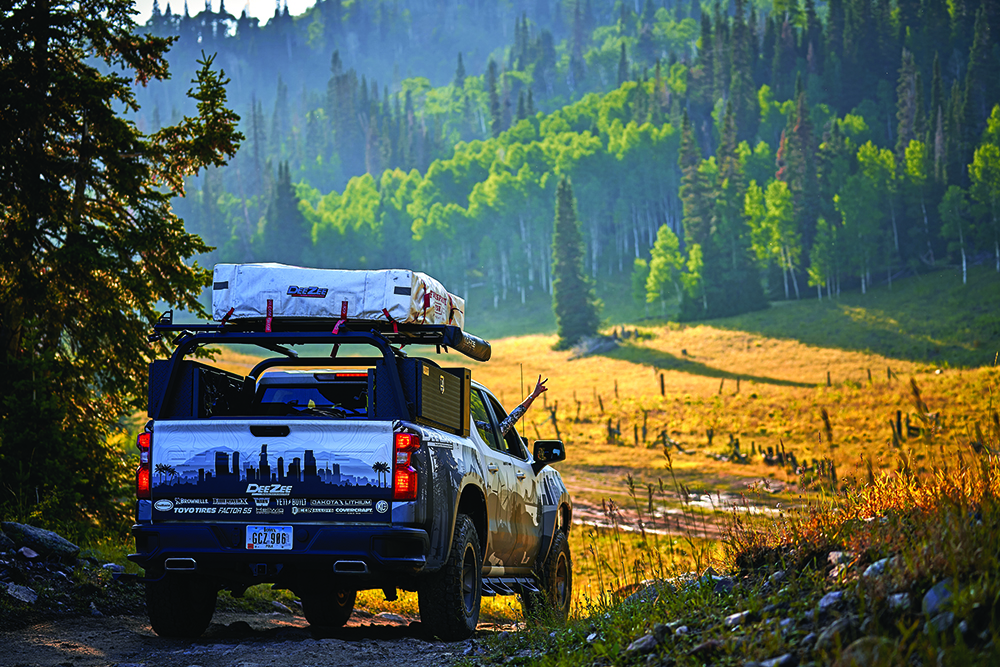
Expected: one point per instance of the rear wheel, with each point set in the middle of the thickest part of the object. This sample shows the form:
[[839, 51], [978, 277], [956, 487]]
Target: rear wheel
[[180, 605], [328, 608], [551, 604], [449, 600]]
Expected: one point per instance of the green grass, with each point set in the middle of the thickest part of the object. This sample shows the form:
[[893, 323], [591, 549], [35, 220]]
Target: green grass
[[932, 318]]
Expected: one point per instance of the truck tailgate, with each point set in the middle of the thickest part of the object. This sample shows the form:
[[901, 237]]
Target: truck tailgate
[[272, 470]]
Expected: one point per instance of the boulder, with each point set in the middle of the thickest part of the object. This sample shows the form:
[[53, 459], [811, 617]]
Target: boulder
[[786, 660], [831, 601], [940, 623], [839, 632], [643, 645], [882, 566], [45, 542], [938, 598], [867, 652], [6, 544], [22, 593], [27, 553]]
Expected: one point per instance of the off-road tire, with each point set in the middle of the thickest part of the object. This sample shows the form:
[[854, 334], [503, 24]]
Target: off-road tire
[[449, 600], [180, 605], [555, 577], [328, 607]]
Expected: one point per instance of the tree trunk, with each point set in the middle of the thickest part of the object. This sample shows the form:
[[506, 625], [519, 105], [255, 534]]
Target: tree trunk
[[895, 233], [961, 244], [635, 230], [927, 229], [595, 246], [784, 272]]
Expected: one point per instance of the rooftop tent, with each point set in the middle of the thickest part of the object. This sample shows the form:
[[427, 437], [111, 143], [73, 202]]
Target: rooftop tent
[[254, 291]]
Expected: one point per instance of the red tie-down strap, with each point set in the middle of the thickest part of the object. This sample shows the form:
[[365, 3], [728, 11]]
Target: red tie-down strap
[[225, 318], [270, 315], [343, 318], [427, 304], [451, 309], [395, 327]]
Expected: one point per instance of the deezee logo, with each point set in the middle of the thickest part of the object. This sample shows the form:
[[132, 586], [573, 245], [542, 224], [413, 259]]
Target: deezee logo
[[311, 292], [269, 490]]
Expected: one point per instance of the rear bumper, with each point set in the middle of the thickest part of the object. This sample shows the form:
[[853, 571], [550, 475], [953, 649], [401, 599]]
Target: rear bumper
[[369, 554]]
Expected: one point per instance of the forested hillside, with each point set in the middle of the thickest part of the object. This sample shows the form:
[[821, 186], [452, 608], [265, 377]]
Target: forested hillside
[[722, 155]]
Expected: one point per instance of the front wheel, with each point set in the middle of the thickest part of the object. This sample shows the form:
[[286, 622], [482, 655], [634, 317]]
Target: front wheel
[[449, 600], [180, 605], [551, 604], [328, 608]]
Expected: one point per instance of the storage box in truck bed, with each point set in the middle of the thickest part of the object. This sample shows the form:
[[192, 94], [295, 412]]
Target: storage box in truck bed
[[351, 467]]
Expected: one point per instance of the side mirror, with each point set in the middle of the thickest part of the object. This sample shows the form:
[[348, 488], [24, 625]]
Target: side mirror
[[548, 452]]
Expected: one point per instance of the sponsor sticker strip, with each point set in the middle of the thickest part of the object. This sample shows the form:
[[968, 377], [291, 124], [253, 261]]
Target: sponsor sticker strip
[[262, 505]]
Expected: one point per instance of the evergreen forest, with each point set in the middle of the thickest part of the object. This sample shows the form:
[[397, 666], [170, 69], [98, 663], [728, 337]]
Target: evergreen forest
[[722, 155]]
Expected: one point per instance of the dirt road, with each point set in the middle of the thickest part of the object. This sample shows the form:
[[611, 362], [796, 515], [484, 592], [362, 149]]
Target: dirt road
[[233, 640]]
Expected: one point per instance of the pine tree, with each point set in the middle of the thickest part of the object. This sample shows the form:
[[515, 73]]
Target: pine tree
[[702, 74], [783, 60], [92, 250], [622, 66], [906, 107], [730, 281], [285, 236], [694, 190], [459, 81], [722, 58], [813, 39], [936, 101], [835, 28], [797, 155], [981, 85], [742, 92], [496, 117], [573, 302]]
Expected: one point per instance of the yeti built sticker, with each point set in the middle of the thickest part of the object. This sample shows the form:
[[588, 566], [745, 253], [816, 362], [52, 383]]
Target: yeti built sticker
[[163, 505]]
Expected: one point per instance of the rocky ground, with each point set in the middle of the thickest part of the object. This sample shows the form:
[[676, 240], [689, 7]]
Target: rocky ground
[[63, 607]]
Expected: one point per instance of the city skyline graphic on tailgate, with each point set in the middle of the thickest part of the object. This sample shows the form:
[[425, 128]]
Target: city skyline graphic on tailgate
[[226, 470]]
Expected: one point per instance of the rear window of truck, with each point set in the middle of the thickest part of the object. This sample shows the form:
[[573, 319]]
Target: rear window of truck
[[342, 400]]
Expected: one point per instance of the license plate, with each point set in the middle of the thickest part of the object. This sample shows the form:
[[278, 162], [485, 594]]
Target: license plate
[[268, 538]]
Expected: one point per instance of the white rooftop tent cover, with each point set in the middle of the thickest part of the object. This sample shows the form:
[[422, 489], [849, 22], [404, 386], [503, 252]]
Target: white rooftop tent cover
[[243, 291]]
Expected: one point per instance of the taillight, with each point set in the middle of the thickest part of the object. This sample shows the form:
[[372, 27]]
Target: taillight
[[404, 477], [142, 478]]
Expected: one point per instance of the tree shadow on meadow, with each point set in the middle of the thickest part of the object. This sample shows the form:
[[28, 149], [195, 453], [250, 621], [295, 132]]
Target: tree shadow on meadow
[[666, 361], [931, 318], [965, 336]]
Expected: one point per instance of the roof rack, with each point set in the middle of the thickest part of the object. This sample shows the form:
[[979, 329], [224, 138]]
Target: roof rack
[[397, 333]]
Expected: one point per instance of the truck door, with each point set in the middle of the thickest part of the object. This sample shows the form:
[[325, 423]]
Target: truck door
[[499, 484], [526, 512]]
